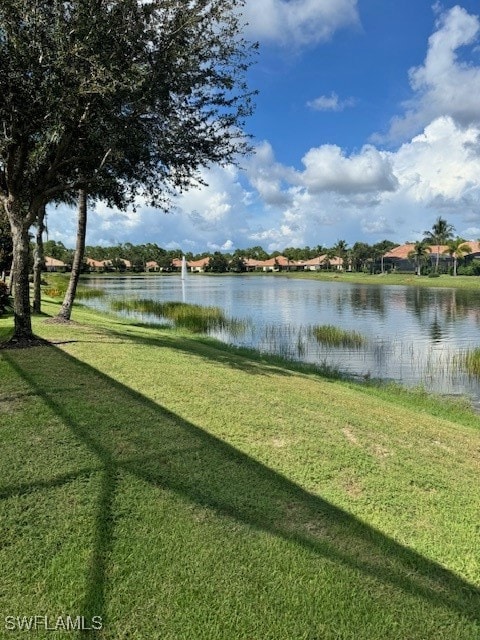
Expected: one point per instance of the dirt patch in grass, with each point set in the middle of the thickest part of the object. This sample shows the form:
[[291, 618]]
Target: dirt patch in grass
[[353, 487], [350, 436], [381, 452], [279, 442]]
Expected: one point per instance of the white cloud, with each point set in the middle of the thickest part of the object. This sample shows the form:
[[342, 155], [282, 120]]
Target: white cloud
[[328, 169], [378, 225], [226, 246], [330, 103], [444, 85], [441, 164], [298, 22], [270, 178]]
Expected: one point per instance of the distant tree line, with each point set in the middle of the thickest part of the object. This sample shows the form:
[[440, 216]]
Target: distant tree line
[[361, 256]]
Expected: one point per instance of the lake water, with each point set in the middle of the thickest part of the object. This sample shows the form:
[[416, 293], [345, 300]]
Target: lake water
[[413, 335]]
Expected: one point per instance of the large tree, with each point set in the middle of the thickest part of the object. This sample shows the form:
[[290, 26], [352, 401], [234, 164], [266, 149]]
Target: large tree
[[440, 233], [6, 244], [114, 97], [457, 249], [419, 255], [342, 251]]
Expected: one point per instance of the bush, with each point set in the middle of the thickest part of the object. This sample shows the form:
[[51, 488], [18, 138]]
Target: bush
[[472, 269], [4, 297]]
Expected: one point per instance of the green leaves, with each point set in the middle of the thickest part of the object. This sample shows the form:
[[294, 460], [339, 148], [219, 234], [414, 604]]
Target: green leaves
[[160, 84]]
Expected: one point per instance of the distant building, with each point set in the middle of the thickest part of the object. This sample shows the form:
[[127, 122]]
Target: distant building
[[398, 259], [98, 265], [197, 265], [52, 264]]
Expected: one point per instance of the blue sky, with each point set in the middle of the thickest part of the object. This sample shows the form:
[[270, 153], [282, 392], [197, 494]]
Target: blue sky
[[367, 126]]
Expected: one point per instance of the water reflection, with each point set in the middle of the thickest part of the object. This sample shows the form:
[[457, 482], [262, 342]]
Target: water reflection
[[436, 332], [365, 298], [413, 335]]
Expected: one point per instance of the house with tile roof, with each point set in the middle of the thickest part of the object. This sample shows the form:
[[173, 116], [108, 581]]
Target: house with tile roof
[[197, 265], [52, 264], [281, 263], [397, 258], [98, 265]]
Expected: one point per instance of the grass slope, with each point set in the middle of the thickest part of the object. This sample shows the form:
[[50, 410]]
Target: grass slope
[[183, 490]]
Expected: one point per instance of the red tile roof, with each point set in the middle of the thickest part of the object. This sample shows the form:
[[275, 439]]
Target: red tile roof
[[403, 250], [198, 263], [400, 252], [96, 263], [281, 261], [53, 262]]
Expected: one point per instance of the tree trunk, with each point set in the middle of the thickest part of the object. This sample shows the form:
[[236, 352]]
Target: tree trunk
[[66, 309], [21, 288], [38, 259]]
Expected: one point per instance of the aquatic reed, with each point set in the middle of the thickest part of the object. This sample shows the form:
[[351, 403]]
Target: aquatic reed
[[472, 361], [336, 337], [193, 317], [88, 293]]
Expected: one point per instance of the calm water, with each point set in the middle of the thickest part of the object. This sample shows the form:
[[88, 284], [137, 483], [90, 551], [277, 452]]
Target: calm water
[[414, 335]]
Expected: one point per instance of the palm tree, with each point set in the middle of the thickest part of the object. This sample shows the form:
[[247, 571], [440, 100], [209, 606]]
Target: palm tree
[[330, 254], [66, 308], [341, 249], [440, 234], [419, 254], [457, 249]]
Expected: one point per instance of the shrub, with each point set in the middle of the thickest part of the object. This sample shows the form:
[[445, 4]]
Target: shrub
[[54, 292], [4, 297], [472, 269]]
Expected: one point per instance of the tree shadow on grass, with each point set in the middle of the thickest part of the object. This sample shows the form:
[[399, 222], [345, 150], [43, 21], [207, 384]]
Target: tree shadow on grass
[[246, 359], [128, 433]]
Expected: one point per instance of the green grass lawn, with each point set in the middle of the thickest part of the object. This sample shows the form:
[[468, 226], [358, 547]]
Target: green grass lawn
[[183, 490], [405, 279]]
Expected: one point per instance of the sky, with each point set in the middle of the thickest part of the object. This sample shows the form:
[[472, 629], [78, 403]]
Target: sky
[[366, 127]]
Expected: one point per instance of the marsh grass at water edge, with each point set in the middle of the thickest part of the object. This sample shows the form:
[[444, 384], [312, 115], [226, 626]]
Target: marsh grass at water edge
[[404, 334], [194, 317], [471, 362], [337, 337], [315, 344]]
